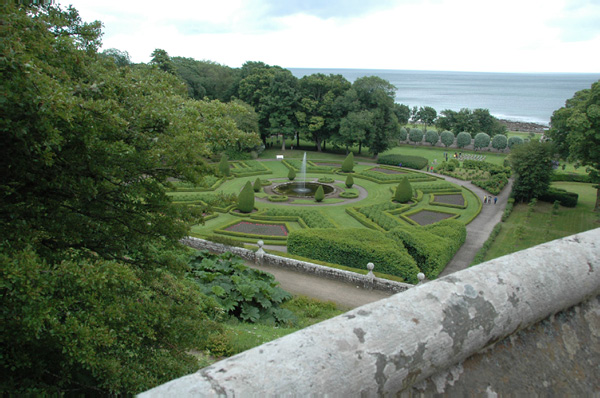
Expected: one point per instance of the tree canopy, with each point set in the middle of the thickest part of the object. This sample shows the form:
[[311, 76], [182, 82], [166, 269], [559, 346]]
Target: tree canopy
[[575, 131], [532, 165]]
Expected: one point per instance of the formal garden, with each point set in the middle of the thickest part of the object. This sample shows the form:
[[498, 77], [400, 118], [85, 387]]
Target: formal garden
[[362, 216]]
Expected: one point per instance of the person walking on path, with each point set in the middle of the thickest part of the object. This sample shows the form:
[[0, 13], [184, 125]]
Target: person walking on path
[[495, 199]]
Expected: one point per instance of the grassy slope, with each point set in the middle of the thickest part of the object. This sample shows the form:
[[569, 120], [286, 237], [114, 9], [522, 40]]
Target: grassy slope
[[521, 231]]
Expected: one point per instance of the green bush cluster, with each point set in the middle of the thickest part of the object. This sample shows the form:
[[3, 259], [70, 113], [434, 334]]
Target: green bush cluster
[[249, 168], [243, 292], [565, 198], [412, 162], [486, 166], [431, 246], [437, 186], [312, 218], [378, 214], [572, 177], [354, 247], [494, 184]]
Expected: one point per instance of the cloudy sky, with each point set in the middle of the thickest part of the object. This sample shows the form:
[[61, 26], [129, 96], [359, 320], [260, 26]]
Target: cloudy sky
[[448, 35]]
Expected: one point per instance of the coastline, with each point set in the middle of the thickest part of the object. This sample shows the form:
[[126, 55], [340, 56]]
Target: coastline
[[526, 127]]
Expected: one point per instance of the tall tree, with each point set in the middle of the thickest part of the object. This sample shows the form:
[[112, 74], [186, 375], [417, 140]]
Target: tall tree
[[427, 115], [162, 59], [206, 78], [575, 132], [316, 109], [94, 297], [532, 165]]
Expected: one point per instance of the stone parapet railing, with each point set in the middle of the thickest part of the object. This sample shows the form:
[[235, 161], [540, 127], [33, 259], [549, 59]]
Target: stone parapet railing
[[369, 281], [392, 345]]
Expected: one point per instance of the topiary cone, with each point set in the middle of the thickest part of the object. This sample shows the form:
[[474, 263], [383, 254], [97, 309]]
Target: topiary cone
[[257, 185], [349, 181], [403, 191], [291, 174], [246, 199], [348, 164], [320, 194]]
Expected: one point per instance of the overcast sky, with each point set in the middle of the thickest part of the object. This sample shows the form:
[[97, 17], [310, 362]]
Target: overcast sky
[[446, 35]]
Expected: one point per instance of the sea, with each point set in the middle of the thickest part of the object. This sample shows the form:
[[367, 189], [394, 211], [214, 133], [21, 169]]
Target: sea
[[520, 97]]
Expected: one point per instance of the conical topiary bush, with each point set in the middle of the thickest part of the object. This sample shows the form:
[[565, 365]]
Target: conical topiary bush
[[320, 194], [403, 191], [348, 164], [291, 174], [224, 166], [349, 181], [246, 199], [257, 185]]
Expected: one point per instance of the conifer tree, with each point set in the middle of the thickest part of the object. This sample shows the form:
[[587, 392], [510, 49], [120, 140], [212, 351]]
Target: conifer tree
[[349, 181], [348, 165], [320, 194], [403, 191], [246, 199]]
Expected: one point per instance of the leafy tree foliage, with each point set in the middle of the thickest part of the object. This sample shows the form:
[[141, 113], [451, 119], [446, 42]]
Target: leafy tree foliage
[[162, 59], [532, 166], [348, 163], [514, 141], [447, 138], [246, 198], [403, 191], [482, 140], [576, 131], [243, 292], [206, 79], [402, 113], [426, 115], [317, 109], [415, 135], [463, 139], [471, 121], [499, 142], [432, 137], [89, 237], [120, 58], [403, 134]]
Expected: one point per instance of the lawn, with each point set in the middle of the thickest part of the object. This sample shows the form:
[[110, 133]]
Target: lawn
[[524, 229]]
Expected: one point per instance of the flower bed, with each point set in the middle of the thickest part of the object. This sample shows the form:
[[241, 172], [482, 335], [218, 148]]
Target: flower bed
[[454, 199], [259, 229], [388, 171], [426, 217]]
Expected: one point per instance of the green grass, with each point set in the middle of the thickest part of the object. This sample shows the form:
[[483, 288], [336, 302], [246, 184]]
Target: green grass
[[524, 229]]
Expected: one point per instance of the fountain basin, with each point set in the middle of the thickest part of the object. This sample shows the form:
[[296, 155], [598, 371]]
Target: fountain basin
[[302, 189]]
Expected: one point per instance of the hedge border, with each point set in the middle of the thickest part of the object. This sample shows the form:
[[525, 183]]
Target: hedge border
[[404, 216], [432, 201], [222, 231]]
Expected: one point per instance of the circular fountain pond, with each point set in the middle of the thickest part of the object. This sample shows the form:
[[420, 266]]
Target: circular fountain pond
[[302, 189]]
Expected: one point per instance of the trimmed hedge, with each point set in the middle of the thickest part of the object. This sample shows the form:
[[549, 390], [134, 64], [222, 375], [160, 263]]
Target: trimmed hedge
[[277, 198], [403, 192], [432, 246], [311, 218], [571, 177], [349, 195], [565, 198], [354, 247], [326, 180], [246, 198], [349, 181], [348, 164], [412, 162]]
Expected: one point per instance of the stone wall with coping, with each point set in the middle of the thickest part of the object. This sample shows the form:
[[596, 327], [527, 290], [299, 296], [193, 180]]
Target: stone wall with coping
[[369, 281], [437, 337]]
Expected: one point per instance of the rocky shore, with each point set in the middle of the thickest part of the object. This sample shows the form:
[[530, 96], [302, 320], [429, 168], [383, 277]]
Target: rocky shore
[[524, 126]]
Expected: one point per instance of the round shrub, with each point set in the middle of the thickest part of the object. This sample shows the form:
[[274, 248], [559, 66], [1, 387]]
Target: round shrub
[[224, 166], [265, 183], [482, 140], [349, 181], [349, 195], [326, 180], [403, 191], [277, 198], [348, 164], [512, 141], [291, 174], [257, 185], [447, 138], [416, 135], [463, 139], [246, 199], [432, 137], [499, 142], [402, 134], [320, 194]]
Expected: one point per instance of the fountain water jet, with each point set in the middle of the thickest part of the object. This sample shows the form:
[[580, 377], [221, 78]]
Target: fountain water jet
[[301, 187]]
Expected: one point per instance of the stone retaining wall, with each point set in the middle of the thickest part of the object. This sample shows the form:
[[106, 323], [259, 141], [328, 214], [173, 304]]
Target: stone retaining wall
[[369, 281]]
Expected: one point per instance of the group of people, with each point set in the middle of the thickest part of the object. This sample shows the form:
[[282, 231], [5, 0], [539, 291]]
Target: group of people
[[487, 199]]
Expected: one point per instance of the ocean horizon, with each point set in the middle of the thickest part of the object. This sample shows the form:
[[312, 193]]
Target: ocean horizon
[[520, 97]]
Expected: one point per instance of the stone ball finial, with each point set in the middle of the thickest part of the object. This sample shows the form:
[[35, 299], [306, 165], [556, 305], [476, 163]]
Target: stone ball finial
[[370, 266], [260, 243], [421, 277]]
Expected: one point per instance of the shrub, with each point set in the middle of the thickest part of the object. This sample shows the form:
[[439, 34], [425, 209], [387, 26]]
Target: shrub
[[412, 162], [567, 199], [403, 191], [402, 134], [512, 141], [463, 139], [447, 138], [277, 198], [354, 247], [349, 181], [416, 135], [482, 140], [348, 164], [432, 137], [499, 142], [349, 195], [257, 185], [291, 174], [319, 195], [571, 177], [326, 180], [246, 199], [245, 293], [224, 166]]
